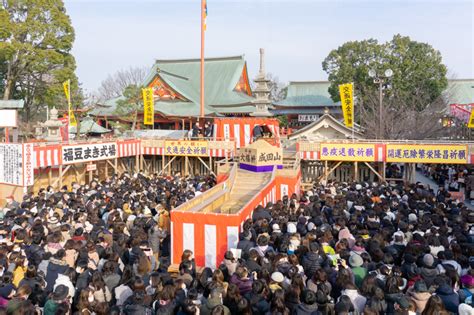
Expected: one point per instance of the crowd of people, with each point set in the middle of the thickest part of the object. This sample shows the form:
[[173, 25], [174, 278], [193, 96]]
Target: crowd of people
[[452, 178], [88, 249], [341, 248]]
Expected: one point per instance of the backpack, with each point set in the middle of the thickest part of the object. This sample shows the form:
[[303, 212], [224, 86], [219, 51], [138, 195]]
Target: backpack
[[467, 296]]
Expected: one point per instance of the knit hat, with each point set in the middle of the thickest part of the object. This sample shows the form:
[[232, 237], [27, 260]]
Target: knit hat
[[276, 228], [53, 220], [404, 303], [412, 218], [291, 228], [428, 260], [355, 260], [467, 280], [277, 277], [420, 286]]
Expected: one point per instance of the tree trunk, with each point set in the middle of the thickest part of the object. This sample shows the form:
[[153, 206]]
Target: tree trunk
[[8, 86], [135, 118], [78, 128]]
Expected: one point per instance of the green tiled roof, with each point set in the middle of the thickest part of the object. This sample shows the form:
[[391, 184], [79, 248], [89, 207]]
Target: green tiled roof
[[12, 104], [308, 94], [106, 108], [181, 109], [88, 125], [460, 91], [315, 94], [235, 109], [221, 75]]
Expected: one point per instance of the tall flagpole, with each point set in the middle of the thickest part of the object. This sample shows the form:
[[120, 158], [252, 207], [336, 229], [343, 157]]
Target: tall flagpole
[[203, 8], [69, 102]]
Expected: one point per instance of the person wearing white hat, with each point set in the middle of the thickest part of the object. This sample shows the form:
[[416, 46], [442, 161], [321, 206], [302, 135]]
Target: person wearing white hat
[[276, 281], [276, 228], [291, 228]]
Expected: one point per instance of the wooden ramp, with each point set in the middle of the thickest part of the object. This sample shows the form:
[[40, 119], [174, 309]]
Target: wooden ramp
[[247, 184]]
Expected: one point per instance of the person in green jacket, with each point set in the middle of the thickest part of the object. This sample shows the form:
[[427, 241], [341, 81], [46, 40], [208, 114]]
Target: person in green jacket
[[359, 272], [59, 297]]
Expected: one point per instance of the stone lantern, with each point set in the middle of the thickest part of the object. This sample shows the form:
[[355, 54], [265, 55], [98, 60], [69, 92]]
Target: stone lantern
[[53, 126]]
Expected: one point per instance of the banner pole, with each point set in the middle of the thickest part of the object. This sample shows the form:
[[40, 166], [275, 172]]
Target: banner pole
[[353, 111], [201, 113], [69, 101]]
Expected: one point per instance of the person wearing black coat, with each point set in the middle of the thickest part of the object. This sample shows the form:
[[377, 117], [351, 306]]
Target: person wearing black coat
[[449, 297], [83, 277], [259, 304], [196, 130], [57, 265], [35, 252], [312, 261], [252, 262], [245, 244], [261, 213]]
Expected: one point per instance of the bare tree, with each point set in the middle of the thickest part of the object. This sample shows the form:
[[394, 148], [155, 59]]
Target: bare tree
[[403, 121], [116, 83], [277, 89]]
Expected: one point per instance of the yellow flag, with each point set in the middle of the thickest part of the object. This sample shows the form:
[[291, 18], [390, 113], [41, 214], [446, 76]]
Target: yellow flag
[[67, 88], [347, 103], [148, 107], [471, 119], [67, 92]]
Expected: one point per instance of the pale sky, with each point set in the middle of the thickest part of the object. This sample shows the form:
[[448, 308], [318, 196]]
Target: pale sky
[[297, 34]]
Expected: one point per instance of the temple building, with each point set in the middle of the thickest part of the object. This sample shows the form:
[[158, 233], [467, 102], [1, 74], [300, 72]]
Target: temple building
[[326, 127], [176, 89], [306, 102], [460, 97]]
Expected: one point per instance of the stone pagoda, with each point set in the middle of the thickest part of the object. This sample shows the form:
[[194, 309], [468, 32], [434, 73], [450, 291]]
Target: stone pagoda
[[262, 91]]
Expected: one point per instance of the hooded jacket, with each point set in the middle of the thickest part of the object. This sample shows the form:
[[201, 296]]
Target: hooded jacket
[[55, 267], [62, 279], [449, 297], [420, 299], [428, 274]]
